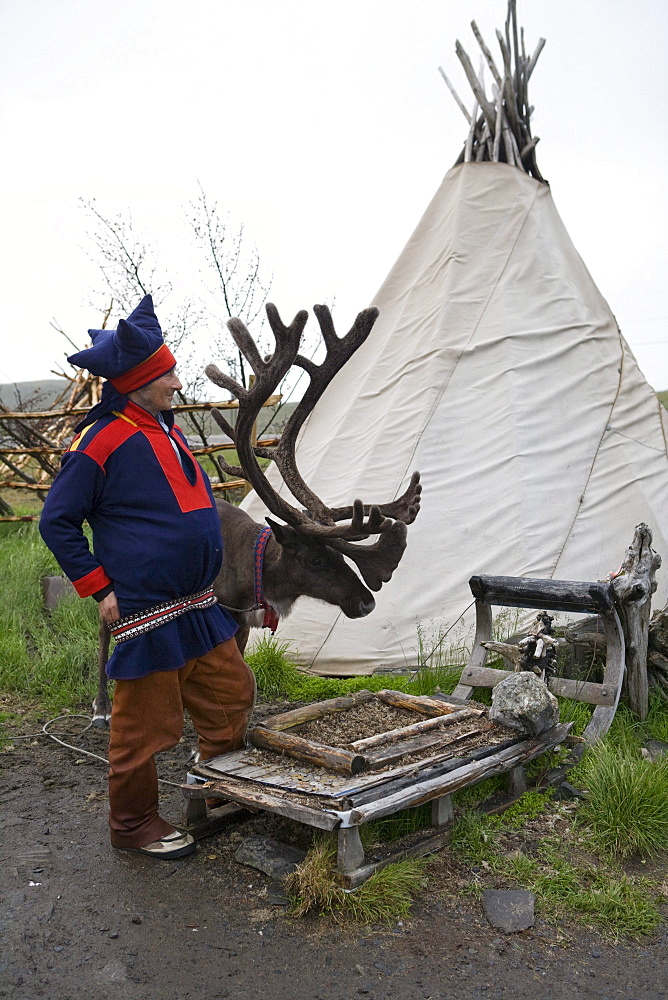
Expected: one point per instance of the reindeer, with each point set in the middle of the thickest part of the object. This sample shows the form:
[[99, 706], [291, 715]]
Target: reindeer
[[305, 556]]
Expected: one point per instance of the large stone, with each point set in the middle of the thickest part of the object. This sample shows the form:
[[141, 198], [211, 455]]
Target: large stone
[[269, 856], [509, 910], [54, 590], [522, 701]]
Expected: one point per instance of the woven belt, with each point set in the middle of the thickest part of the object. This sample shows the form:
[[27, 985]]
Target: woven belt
[[143, 621]]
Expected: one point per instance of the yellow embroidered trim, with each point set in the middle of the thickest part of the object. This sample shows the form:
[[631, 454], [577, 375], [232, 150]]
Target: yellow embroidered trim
[[79, 438], [117, 413]]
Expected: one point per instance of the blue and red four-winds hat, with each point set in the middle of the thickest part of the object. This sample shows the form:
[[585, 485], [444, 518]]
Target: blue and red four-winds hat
[[130, 356]]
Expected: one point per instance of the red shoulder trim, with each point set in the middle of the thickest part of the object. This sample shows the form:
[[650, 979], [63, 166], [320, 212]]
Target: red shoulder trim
[[109, 439], [91, 582]]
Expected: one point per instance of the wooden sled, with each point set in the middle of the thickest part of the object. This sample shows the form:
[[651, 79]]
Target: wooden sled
[[550, 595]]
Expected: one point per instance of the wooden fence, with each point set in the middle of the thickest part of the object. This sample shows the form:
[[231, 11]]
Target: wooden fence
[[16, 457]]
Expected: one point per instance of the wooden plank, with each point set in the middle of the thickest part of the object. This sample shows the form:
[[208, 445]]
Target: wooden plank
[[442, 811], [333, 758], [256, 798], [425, 791], [350, 852], [384, 756], [416, 729], [593, 694], [428, 770], [298, 716], [532, 592], [517, 784], [418, 848]]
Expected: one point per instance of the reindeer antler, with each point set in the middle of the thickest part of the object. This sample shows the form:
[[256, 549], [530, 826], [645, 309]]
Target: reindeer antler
[[376, 562]]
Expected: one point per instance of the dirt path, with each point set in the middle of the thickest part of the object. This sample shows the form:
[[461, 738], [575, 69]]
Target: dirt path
[[81, 920]]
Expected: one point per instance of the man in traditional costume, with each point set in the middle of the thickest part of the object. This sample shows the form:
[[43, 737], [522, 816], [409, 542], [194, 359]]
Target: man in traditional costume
[[157, 549]]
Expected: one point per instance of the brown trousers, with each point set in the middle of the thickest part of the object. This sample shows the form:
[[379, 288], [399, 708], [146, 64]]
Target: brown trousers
[[218, 692]]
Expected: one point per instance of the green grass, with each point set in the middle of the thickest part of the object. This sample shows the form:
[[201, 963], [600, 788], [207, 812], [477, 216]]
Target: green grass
[[627, 807], [384, 897], [565, 884], [278, 677], [51, 659], [600, 894]]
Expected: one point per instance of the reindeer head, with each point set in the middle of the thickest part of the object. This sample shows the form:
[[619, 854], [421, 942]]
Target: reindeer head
[[333, 532]]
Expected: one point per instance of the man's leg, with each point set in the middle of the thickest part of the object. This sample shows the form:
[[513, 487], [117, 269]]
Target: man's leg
[[147, 717], [218, 690]]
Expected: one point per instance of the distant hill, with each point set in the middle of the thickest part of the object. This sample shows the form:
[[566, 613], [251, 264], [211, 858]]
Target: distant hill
[[663, 397], [33, 395]]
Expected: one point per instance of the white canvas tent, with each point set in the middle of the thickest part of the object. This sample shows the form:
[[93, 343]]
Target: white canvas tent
[[497, 369]]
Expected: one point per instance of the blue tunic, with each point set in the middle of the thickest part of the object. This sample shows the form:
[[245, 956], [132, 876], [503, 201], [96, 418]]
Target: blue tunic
[[156, 534]]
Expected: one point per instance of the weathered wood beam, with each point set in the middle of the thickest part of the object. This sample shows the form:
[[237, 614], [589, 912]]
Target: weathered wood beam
[[425, 791], [416, 729], [426, 844], [297, 716], [253, 797], [420, 703], [332, 758], [534, 592]]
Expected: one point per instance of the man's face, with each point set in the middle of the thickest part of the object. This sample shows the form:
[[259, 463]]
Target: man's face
[[158, 395]]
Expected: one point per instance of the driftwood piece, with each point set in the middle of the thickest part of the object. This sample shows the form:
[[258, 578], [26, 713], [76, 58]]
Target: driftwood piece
[[297, 716], [509, 652], [333, 758], [416, 729], [244, 793], [487, 54], [633, 586], [471, 134], [476, 86], [458, 100], [419, 703], [386, 755], [533, 592]]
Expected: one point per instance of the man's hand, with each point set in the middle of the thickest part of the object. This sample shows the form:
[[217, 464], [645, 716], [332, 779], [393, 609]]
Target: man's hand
[[109, 611]]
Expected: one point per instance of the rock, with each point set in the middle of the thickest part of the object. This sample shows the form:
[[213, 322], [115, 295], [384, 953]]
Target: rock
[[276, 896], [509, 910], [113, 972], [523, 702], [567, 791], [269, 856], [54, 589], [655, 749]]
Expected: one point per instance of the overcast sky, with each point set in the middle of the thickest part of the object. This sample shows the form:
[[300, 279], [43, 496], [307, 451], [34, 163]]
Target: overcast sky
[[325, 129]]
